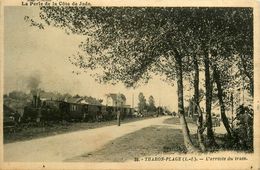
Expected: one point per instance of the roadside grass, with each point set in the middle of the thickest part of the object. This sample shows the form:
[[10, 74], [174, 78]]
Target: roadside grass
[[33, 131], [151, 140], [224, 143], [175, 120]]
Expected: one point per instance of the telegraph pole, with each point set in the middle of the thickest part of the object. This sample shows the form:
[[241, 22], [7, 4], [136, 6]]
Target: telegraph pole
[[133, 100], [118, 110], [159, 105]]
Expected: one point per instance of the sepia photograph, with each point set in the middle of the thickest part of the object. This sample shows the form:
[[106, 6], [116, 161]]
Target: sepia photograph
[[97, 84]]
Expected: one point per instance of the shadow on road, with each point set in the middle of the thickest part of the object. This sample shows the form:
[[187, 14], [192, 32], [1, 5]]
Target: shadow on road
[[151, 140]]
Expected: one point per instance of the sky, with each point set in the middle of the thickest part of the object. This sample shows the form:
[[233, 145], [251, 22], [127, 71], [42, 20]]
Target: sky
[[30, 51]]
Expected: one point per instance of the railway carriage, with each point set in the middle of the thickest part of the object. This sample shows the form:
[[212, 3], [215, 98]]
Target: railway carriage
[[93, 112], [111, 113], [77, 112], [55, 110]]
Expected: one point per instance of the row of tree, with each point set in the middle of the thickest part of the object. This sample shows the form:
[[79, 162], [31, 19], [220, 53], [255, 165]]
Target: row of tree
[[143, 105], [175, 43]]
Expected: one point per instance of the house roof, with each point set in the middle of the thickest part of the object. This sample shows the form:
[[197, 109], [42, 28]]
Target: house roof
[[115, 96], [74, 100]]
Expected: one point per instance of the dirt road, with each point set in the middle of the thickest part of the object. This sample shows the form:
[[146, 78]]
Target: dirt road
[[61, 147]]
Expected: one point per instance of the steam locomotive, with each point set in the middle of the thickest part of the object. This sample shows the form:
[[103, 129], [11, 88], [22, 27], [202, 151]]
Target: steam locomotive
[[57, 110]]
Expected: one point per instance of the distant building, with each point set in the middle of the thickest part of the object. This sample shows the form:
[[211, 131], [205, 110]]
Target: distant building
[[76, 100], [113, 99]]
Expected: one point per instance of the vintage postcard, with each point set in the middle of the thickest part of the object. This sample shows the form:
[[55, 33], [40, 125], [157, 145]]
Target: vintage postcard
[[130, 84]]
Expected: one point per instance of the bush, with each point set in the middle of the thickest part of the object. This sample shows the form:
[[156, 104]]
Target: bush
[[243, 129]]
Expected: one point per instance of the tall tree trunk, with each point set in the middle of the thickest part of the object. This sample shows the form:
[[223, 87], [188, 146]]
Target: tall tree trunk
[[196, 105], [252, 86], [185, 130], [210, 134], [221, 102]]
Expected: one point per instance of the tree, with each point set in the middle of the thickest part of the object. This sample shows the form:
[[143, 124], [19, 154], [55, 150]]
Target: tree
[[224, 56], [210, 134], [196, 105], [142, 102], [221, 33], [140, 37], [5, 96], [224, 118], [151, 104], [243, 45], [149, 40]]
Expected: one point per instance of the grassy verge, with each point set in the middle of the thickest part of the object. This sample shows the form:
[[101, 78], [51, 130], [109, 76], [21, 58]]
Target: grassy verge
[[28, 132], [176, 121], [147, 141], [223, 141]]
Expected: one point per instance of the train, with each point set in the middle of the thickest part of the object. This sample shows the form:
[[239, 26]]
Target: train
[[58, 110]]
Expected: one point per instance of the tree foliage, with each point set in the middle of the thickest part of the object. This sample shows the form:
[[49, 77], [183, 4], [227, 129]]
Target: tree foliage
[[145, 37], [151, 104], [142, 102], [163, 41]]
